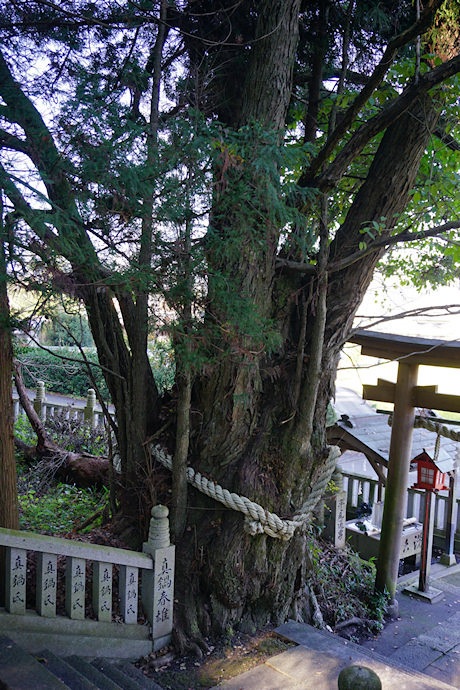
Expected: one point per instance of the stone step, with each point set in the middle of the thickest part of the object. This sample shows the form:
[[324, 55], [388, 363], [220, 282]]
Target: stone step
[[137, 675], [116, 675], [64, 671], [20, 671], [99, 679], [86, 638], [108, 676]]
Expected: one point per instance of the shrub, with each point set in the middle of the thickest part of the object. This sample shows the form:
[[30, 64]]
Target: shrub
[[59, 375], [72, 378]]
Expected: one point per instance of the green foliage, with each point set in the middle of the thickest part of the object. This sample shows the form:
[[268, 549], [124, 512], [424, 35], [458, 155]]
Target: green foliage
[[72, 378], [60, 510], [60, 375], [23, 430], [162, 361], [66, 330]]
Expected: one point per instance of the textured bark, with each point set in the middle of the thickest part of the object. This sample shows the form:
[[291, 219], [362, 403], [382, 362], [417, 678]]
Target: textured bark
[[246, 580], [385, 193], [9, 516], [257, 421]]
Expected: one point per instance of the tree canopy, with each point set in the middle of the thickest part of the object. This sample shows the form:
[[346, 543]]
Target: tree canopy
[[230, 173]]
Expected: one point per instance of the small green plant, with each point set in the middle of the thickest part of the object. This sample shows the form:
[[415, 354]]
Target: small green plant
[[344, 585], [23, 430], [61, 509]]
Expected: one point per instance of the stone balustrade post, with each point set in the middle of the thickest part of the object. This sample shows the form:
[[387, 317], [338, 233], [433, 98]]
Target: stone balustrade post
[[39, 402], [90, 408], [158, 585]]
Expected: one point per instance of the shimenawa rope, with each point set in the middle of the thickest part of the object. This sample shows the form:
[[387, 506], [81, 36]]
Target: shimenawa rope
[[257, 519]]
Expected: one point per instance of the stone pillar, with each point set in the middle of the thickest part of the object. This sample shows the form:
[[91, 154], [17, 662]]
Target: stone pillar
[[75, 580], [46, 584], [158, 585], [128, 587], [102, 590], [39, 402], [448, 557], [90, 407], [16, 573], [340, 519]]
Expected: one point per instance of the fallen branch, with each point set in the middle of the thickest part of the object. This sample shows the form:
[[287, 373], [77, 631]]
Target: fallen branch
[[81, 468], [89, 520]]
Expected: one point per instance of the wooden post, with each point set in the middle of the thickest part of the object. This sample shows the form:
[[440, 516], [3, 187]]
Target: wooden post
[[39, 402], [448, 557], [427, 543], [396, 486]]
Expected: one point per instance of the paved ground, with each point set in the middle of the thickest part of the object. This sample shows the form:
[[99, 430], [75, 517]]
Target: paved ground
[[418, 650], [426, 637]]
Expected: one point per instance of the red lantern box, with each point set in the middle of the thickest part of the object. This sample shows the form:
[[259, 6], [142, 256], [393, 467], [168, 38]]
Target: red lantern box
[[429, 475]]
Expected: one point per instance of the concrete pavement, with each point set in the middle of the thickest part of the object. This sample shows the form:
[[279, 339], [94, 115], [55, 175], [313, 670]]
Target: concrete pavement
[[418, 650]]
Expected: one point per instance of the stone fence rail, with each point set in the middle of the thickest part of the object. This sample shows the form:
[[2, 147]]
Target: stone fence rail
[[77, 408], [157, 580]]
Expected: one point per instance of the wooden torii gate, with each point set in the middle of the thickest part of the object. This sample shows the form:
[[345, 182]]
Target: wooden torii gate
[[406, 396]]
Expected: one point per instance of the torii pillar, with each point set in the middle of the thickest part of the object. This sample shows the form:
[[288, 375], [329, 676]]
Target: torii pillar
[[396, 484]]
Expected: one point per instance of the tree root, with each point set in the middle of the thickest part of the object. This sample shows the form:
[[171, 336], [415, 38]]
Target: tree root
[[184, 644], [364, 622], [318, 619]]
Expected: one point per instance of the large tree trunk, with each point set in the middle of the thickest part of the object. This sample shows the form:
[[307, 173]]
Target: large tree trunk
[[133, 392], [265, 444]]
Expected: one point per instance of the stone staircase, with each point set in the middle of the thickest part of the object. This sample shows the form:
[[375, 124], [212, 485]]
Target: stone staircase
[[20, 670]]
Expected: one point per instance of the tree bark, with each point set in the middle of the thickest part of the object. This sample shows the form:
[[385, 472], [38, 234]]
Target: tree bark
[[246, 580], [9, 515]]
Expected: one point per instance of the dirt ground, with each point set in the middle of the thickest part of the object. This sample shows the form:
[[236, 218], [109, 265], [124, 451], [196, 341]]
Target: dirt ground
[[227, 657]]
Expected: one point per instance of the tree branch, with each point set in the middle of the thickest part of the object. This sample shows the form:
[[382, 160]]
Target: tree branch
[[389, 114], [43, 442], [404, 236], [9, 141], [374, 81]]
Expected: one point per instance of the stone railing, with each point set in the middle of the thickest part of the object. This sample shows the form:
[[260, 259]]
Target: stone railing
[[156, 563], [76, 409]]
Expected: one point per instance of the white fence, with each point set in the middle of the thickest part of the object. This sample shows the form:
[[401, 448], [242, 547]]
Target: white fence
[[78, 409], [361, 489]]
